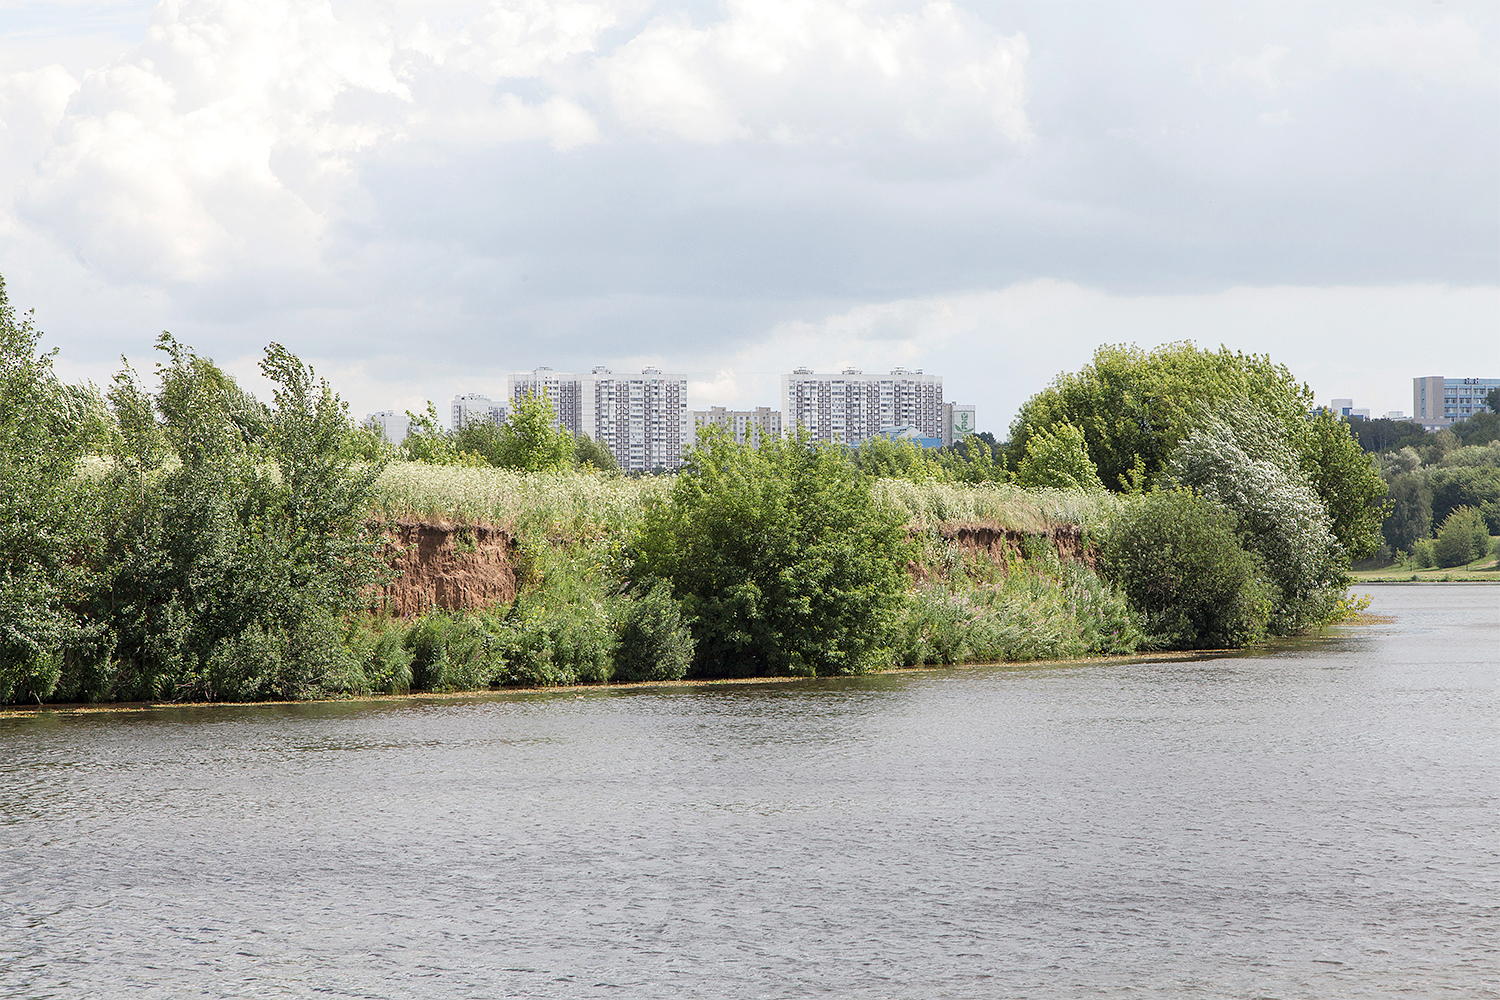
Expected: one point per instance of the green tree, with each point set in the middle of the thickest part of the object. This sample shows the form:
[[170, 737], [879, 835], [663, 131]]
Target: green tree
[[1492, 399], [1345, 479], [591, 454], [1240, 460], [1056, 457], [1134, 407], [429, 441], [1462, 538], [226, 576], [1178, 559], [781, 559], [45, 511], [531, 441], [882, 458], [1410, 517]]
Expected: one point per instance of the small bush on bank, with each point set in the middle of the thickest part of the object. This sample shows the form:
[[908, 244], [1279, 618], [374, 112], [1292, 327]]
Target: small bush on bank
[[782, 559], [1462, 538], [1178, 560], [655, 642]]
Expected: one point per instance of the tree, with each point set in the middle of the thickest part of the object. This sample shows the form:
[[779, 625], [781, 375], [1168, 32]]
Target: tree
[[1345, 480], [531, 441], [1134, 407], [1492, 399], [1462, 538], [1240, 460], [1056, 457], [780, 557], [1410, 517], [226, 576], [1384, 434], [591, 454], [1177, 557], [45, 522]]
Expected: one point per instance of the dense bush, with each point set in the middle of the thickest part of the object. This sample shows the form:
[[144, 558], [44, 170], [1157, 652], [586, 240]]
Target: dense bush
[[1241, 461], [655, 642], [1178, 559], [783, 562], [1056, 457], [1462, 538]]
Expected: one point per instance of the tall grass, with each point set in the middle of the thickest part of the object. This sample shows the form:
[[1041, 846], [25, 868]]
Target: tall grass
[[928, 505], [561, 505]]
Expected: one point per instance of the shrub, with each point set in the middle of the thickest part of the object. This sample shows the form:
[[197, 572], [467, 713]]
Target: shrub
[[1240, 459], [655, 643], [781, 558], [1462, 538], [1178, 559]]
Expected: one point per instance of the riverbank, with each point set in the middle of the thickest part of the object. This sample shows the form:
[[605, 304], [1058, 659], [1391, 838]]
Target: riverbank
[[578, 690]]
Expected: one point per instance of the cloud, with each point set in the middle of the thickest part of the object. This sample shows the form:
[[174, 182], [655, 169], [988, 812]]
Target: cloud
[[820, 72], [1447, 49]]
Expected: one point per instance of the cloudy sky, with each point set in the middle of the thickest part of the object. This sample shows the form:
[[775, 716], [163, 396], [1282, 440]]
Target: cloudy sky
[[419, 197]]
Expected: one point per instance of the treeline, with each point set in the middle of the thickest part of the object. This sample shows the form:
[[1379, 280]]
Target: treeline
[[195, 543]]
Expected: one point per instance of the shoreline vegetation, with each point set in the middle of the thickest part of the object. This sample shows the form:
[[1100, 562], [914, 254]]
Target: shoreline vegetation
[[491, 693], [187, 542]]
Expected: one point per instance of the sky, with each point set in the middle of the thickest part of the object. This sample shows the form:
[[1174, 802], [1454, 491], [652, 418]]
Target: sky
[[420, 197]]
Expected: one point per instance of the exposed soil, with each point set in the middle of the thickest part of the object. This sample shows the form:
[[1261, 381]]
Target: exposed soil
[[451, 567], [466, 567], [1003, 544]]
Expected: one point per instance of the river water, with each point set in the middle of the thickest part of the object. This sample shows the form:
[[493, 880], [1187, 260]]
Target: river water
[[1319, 820]]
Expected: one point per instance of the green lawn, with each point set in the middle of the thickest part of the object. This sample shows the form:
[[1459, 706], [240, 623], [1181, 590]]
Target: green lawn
[[1484, 570]]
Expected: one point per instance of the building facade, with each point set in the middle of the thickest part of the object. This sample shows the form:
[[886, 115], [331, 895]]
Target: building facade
[[471, 407], [642, 419], [1439, 402], [745, 426], [852, 407], [958, 422], [392, 426]]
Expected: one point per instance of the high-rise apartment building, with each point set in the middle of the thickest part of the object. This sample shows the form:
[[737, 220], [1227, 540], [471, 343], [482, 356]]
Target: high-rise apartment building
[[473, 406], [392, 426], [851, 407], [1438, 402], [642, 419], [745, 426]]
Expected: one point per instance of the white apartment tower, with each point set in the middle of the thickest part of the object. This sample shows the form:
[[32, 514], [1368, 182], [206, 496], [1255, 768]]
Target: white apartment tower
[[642, 419], [471, 407], [851, 407], [392, 426], [745, 426]]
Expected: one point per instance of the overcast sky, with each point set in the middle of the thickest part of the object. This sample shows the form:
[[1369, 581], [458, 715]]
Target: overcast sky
[[419, 197]]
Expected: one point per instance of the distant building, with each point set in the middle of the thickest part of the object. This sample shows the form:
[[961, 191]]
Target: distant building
[[392, 426], [745, 426], [1439, 402], [1395, 415], [1345, 408], [642, 419], [472, 407], [852, 407], [958, 422]]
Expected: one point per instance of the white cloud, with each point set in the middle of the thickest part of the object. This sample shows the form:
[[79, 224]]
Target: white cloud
[[823, 72], [1446, 49]]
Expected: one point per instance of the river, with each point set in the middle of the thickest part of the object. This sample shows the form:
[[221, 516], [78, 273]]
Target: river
[[1316, 820]]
